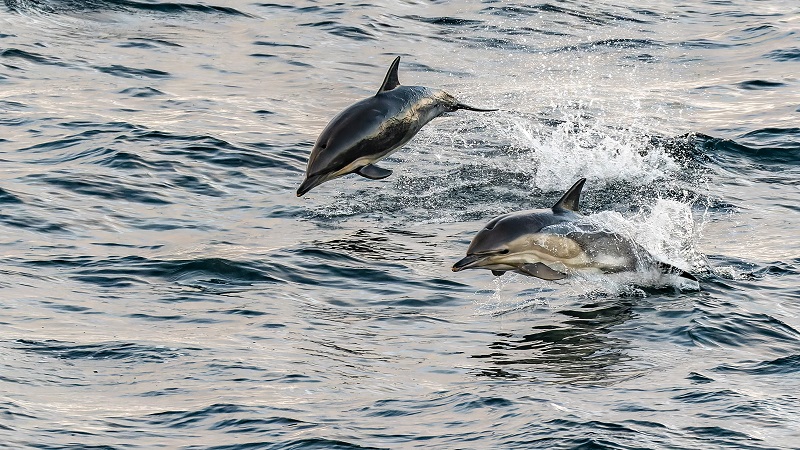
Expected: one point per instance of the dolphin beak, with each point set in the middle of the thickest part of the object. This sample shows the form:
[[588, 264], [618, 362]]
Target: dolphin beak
[[471, 108], [310, 183], [467, 262]]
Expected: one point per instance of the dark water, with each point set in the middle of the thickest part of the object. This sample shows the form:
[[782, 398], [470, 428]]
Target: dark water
[[162, 287]]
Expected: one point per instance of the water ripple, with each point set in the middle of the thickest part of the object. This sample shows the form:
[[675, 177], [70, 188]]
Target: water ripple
[[784, 55], [779, 366], [143, 92], [736, 330], [129, 72], [36, 58], [214, 274], [105, 187], [74, 6], [128, 352], [760, 84], [335, 28]]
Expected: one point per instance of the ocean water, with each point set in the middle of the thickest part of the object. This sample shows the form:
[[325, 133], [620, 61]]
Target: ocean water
[[161, 286]]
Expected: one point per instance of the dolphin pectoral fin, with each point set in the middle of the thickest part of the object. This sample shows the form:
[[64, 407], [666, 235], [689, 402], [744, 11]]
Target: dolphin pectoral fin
[[498, 273], [541, 270], [391, 81], [374, 172], [471, 108], [669, 268]]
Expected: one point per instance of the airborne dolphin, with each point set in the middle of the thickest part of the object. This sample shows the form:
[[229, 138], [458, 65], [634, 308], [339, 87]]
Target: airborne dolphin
[[373, 128], [550, 243]]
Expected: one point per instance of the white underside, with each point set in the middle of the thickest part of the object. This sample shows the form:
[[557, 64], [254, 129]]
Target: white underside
[[512, 261]]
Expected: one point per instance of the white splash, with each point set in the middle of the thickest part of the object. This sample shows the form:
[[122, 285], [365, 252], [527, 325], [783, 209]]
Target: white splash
[[576, 149]]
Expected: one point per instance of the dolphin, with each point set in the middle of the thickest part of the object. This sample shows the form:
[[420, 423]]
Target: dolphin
[[373, 128], [552, 243]]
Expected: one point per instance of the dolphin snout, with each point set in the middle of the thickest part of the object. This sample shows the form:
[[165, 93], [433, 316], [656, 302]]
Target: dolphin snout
[[466, 262], [310, 183], [471, 108]]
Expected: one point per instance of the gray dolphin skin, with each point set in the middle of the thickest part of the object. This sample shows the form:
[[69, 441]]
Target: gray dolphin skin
[[550, 243], [373, 128]]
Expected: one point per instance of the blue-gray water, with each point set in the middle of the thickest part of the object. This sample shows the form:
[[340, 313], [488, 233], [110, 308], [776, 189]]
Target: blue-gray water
[[161, 286]]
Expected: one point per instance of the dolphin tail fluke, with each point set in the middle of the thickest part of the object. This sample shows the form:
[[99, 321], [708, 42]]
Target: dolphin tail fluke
[[471, 108], [669, 268]]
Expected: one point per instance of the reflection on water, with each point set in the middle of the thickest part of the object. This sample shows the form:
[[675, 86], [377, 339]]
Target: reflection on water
[[577, 349]]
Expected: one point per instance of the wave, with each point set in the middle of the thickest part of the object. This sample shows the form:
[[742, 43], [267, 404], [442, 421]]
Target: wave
[[119, 70], [774, 146], [779, 366], [615, 43], [760, 84], [103, 186], [735, 329], [593, 16], [206, 274], [31, 221], [7, 197], [784, 55], [77, 6], [141, 92], [32, 57], [216, 151], [126, 351], [347, 31], [111, 161]]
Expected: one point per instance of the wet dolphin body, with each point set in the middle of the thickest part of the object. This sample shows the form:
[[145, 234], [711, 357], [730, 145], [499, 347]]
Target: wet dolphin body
[[374, 128], [549, 244]]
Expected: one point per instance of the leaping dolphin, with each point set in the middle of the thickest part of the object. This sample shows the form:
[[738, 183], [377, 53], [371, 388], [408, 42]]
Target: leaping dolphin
[[372, 129], [550, 243]]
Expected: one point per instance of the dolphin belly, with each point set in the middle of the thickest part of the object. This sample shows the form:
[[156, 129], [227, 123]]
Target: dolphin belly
[[512, 261], [560, 253]]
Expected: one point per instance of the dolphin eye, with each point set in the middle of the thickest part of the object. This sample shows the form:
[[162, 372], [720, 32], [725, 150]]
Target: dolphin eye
[[323, 145]]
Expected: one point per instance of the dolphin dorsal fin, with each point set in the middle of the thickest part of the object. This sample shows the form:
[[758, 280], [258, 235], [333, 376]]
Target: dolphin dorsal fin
[[569, 201], [391, 81]]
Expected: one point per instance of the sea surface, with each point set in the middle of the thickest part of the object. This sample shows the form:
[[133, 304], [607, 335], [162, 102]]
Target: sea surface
[[161, 285]]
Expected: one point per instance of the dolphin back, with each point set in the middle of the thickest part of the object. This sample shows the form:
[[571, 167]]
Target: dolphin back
[[509, 228]]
